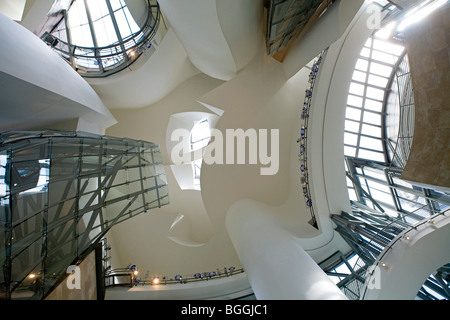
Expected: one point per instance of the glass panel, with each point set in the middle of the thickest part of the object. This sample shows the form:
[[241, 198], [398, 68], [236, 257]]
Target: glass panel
[[351, 126], [357, 89], [353, 114], [372, 118], [351, 139], [373, 105], [349, 151], [359, 76], [377, 81], [375, 94], [354, 101], [362, 65], [371, 130], [371, 143], [380, 69]]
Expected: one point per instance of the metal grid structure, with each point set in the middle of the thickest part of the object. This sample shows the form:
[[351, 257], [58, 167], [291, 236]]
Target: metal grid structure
[[60, 193], [287, 19], [101, 60]]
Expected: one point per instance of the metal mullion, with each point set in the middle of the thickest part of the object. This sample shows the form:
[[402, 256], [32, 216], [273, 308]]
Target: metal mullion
[[364, 135], [357, 185], [156, 179], [94, 37], [116, 29]]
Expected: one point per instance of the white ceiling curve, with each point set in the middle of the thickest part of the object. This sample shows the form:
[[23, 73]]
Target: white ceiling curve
[[220, 37]]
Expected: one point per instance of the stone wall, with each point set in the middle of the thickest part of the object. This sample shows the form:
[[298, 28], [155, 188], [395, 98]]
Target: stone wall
[[427, 44]]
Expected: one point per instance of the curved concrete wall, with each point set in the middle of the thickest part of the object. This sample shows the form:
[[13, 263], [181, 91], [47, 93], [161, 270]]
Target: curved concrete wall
[[220, 37], [39, 86]]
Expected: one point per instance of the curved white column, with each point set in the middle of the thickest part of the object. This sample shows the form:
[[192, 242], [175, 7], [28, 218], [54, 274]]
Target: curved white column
[[276, 265]]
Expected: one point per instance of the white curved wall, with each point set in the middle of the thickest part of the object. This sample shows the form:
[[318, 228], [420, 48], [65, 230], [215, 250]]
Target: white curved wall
[[220, 37], [39, 87], [148, 80]]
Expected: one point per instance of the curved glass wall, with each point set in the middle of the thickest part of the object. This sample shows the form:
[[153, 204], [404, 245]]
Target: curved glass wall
[[98, 37], [60, 193]]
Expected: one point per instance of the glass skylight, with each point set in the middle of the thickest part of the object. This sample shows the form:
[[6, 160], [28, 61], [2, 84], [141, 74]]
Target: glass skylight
[[98, 35]]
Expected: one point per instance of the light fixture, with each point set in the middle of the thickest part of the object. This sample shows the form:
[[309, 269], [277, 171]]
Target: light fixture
[[155, 280], [406, 237], [32, 276]]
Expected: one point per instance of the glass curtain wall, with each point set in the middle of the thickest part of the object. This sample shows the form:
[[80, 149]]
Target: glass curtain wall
[[60, 193]]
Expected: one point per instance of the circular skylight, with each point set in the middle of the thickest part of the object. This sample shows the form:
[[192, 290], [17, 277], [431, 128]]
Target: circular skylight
[[98, 37]]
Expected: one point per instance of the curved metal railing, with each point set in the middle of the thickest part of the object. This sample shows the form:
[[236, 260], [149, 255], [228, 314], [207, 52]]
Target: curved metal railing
[[130, 276], [303, 139], [107, 60]]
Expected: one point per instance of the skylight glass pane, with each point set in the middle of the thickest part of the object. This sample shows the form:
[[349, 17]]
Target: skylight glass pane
[[351, 126], [354, 101], [384, 57], [116, 4], [356, 89], [371, 143], [353, 114], [82, 36], [362, 65], [377, 81], [104, 32], [77, 14], [370, 155], [372, 118], [350, 138], [375, 94], [365, 52], [359, 76], [98, 9], [371, 130], [352, 194], [373, 105], [387, 47], [349, 151], [380, 69]]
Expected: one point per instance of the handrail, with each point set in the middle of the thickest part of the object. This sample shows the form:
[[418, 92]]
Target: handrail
[[302, 140], [133, 279]]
